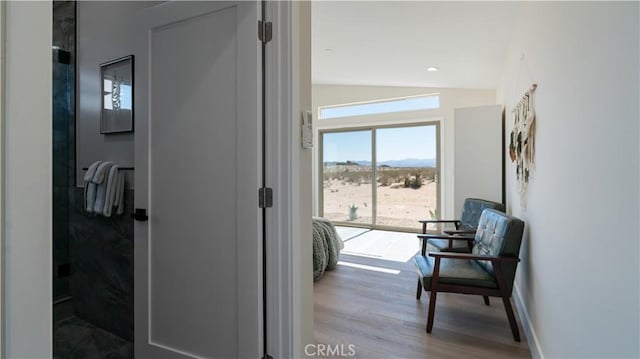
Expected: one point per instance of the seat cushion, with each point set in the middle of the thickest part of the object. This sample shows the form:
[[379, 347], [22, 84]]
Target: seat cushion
[[439, 245], [453, 271]]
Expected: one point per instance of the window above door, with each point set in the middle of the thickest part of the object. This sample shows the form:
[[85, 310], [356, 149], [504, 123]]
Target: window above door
[[411, 103]]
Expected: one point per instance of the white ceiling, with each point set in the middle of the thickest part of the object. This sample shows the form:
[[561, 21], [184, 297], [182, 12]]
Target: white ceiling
[[393, 43]]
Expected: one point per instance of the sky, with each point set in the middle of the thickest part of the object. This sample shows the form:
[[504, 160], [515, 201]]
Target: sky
[[392, 144]]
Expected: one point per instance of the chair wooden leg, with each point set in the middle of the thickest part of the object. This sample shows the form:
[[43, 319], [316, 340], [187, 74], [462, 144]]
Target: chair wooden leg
[[419, 292], [512, 318], [507, 302], [432, 310], [434, 292], [486, 299]]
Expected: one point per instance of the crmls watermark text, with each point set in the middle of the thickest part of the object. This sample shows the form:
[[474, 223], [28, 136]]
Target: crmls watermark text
[[328, 350]]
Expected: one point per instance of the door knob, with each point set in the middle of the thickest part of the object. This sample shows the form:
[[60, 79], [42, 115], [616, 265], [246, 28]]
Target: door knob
[[140, 214]]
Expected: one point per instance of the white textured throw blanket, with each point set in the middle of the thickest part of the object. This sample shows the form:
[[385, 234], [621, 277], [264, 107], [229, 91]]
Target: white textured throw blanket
[[104, 189], [327, 245]]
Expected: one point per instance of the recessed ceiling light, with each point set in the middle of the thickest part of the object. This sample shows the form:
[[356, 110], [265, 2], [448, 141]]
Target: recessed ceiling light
[[432, 69]]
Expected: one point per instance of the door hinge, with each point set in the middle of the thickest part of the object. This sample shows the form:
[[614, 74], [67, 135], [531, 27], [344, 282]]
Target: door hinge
[[265, 197], [265, 32]]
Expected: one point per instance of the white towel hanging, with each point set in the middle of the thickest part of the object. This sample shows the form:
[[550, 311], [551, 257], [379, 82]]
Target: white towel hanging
[[104, 189], [90, 187]]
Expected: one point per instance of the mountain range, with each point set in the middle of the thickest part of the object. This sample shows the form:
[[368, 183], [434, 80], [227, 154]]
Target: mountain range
[[407, 162]]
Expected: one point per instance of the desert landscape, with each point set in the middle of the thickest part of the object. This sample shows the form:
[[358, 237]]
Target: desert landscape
[[404, 195]]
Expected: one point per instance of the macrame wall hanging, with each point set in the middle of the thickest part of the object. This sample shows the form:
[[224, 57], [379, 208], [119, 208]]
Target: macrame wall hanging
[[522, 142]]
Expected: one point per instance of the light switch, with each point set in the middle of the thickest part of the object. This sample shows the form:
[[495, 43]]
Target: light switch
[[307, 129]]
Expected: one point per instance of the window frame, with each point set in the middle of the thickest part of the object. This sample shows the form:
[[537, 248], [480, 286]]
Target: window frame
[[378, 101], [372, 128]]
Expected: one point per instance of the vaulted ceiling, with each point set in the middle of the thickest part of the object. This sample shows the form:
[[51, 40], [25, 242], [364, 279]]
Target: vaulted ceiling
[[392, 43]]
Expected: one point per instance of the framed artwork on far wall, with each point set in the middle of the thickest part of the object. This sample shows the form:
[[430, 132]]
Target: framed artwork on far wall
[[117, 95]]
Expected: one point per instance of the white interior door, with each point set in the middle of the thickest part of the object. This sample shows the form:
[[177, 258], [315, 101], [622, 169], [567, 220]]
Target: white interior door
[[198, 257], [478, 154]]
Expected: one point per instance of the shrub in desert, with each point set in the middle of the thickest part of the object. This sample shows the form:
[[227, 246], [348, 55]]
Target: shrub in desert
[[414, 181], [356, 178], [353, 212], [385, 180], [429, 174]]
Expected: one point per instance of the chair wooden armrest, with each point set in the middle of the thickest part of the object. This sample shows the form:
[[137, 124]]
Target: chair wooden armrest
[[425, 238], [439, 221], [424, 222], [459, 231], [469, 256], [444, 236]]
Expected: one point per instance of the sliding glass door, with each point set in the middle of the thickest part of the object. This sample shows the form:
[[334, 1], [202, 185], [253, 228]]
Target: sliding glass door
[[347, 177], [406, 175], [405, 164]]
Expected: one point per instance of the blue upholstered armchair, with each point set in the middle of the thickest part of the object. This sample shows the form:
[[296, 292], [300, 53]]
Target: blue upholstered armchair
[[465, 227], [489, 270]]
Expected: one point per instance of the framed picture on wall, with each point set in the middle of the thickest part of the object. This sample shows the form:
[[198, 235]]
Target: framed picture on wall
[[117, 95]]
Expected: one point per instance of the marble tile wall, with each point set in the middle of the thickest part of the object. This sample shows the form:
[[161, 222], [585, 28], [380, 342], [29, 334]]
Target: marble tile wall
[[101, 251]]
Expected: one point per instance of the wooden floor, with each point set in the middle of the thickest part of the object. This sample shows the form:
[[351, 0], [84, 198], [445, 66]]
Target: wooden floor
[[379, 314]]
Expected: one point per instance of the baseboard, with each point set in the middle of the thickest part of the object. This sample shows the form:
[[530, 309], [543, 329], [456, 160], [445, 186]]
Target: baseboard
[[529, 332]]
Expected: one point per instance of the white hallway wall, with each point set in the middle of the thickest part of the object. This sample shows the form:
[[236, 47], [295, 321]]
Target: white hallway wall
[[450, 99], [27, 176], [579, 275]]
